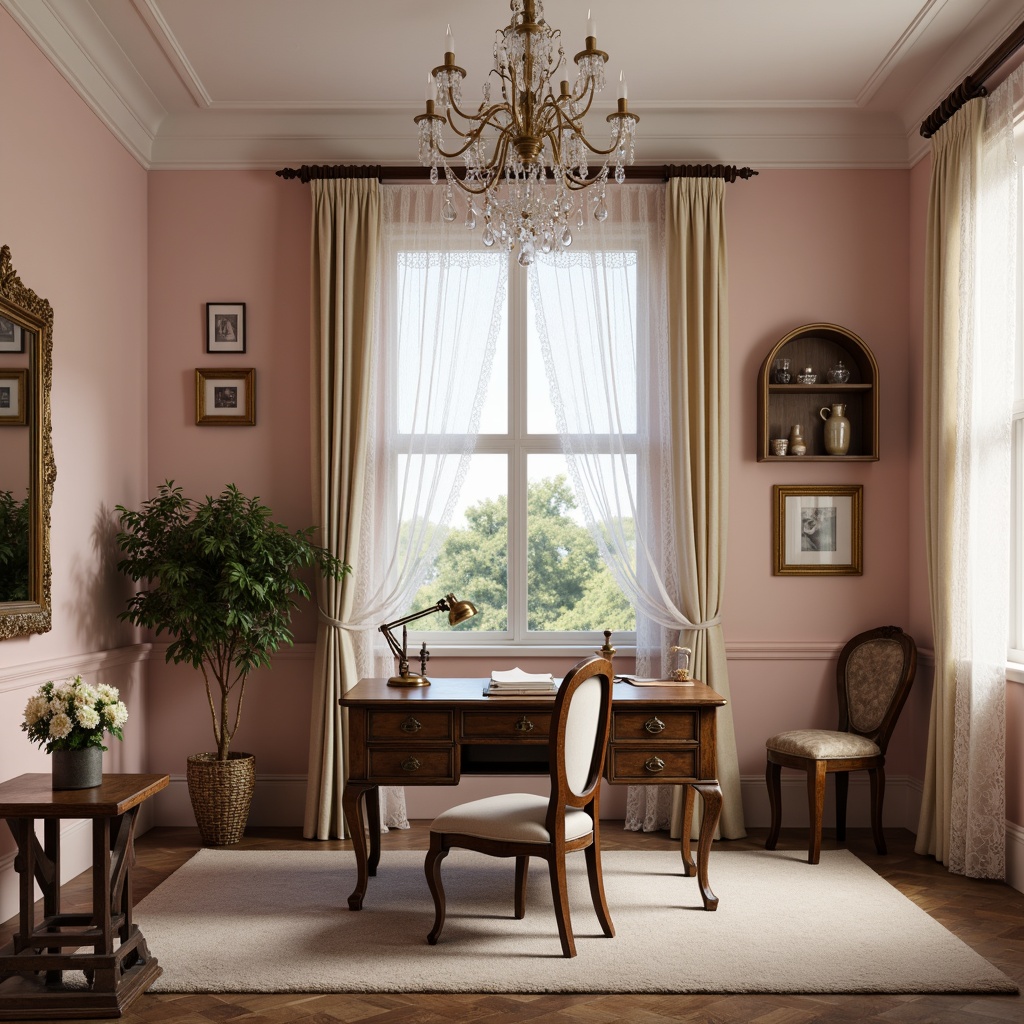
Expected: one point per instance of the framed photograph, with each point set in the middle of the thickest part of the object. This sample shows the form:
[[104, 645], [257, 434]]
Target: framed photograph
[[225, 398], [13, 398], [818, 530], [11, 337], [225, 327]]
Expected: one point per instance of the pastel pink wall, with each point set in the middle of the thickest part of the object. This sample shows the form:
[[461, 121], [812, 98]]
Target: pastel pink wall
[[232, 237], [803, 247], [73, 210]]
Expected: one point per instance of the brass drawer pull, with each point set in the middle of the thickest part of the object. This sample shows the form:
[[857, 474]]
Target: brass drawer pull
[[524, 725], [410, 725], [654, 725], [410, 764], [654, 765]]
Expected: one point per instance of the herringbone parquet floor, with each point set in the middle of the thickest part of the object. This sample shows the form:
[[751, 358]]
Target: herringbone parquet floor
[[988, 916]]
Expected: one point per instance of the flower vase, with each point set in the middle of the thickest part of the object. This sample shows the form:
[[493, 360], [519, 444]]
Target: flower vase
[[77, 769]]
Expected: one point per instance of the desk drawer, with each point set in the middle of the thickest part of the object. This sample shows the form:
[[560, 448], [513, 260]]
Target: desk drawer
[[645, 725], [663, 764], [405, 725], [410, 764], [524, 726]]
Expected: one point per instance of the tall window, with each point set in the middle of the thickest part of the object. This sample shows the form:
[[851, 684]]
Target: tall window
[[518, 546]]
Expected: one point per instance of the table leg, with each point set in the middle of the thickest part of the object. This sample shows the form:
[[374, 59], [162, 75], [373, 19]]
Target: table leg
[[689, 868], [352, 802], [711, 798], [51, 893]]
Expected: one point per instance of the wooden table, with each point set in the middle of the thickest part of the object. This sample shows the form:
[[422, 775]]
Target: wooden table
[[119, 965], [433, 735]]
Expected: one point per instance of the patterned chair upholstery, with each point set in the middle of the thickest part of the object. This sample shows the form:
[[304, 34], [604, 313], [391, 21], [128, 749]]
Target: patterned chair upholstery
[[874, 676]]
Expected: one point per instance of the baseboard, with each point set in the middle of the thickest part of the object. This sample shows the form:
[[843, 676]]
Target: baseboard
[[278, 801], [901, 808]]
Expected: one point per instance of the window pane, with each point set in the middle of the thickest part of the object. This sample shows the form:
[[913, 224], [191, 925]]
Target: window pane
[[472, 561], [569, 588]]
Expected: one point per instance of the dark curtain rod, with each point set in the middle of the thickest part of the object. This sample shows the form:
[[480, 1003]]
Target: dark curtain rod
[[311, 172], [973, 85]]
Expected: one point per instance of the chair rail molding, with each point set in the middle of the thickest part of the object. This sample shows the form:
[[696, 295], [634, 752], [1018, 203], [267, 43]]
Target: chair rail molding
[[35, 673]]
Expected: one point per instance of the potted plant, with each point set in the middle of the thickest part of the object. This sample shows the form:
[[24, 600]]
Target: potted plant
[[222, 579]]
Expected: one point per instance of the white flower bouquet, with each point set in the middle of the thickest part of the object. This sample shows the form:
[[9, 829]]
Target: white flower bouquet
[[72, 715]]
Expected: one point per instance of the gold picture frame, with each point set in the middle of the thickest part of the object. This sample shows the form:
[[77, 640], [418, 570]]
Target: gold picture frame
[[225, 398], [13, 398], [818, 530]]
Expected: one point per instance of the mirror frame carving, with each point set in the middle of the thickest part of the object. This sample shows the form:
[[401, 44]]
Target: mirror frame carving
[[21, 304]]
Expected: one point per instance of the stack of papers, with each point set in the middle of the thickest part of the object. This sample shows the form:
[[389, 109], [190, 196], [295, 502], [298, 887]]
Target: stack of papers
[[514, 682]]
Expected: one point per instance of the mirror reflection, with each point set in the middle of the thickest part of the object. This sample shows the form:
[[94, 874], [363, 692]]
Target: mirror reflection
[[27, 468]]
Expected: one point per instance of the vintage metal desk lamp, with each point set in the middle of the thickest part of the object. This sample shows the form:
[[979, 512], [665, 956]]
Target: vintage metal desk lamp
[[458, 611]]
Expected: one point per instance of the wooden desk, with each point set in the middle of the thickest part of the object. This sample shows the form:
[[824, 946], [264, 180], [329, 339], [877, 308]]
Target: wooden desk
[[433, 735], [115, 975]]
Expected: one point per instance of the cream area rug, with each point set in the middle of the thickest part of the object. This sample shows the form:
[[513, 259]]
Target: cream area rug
[[278, 921]]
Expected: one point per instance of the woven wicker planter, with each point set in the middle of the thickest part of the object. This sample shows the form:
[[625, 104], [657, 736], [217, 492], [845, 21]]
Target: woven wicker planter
[[221, 792]]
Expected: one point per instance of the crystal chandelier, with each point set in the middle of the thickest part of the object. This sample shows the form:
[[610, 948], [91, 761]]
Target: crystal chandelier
[[526, 154]]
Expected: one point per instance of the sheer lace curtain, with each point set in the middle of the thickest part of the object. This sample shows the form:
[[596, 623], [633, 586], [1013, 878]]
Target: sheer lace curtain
[[601, 315], [970, 326], [438, 315]]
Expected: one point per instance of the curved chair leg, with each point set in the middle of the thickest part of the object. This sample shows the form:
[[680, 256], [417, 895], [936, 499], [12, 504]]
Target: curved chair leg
[[815, 808], [560, 897], [522, 869], [877, 778], [842, 790], [594, 876], [772, 778], [432, 869]]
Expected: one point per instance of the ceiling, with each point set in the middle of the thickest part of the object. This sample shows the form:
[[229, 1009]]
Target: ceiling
[[269, 83]]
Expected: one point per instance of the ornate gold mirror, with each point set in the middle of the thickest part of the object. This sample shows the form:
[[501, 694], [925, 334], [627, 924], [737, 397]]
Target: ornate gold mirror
[[27, 469]]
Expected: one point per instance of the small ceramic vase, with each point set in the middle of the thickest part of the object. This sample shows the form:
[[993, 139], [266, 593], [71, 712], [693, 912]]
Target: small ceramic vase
[[780, 445], [797, 446], [837, 429]]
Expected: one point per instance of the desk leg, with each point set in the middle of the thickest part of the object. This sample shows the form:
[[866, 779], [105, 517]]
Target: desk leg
[[711, 797], [353, 802], [689, 868]]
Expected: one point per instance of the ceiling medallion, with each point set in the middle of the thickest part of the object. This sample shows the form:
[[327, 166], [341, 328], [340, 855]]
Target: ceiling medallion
[[526, 154]]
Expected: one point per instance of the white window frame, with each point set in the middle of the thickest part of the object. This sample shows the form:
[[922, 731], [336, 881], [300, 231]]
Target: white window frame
[[517, 445], [1015, 655]]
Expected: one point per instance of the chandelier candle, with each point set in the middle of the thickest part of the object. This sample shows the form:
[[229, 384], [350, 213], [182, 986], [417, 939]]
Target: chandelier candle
[[526, 154]]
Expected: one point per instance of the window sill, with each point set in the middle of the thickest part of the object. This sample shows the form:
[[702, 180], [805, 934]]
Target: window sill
[[525, 650], [1015, 672]]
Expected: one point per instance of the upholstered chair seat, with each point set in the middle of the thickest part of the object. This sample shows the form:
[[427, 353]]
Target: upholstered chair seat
[[873, 677], [522, 825], [511, 818], [823, 743]]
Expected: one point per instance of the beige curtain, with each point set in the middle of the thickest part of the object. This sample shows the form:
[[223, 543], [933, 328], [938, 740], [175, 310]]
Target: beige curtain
[[953, 162], [346, 239], [698, 331]]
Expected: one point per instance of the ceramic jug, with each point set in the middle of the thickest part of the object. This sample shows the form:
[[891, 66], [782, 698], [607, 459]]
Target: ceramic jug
[[837, 429]]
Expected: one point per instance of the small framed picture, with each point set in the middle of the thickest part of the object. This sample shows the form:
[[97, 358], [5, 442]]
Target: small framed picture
[[12, 339], [225, 327], [225, 398], [818, 530], [13, 398]]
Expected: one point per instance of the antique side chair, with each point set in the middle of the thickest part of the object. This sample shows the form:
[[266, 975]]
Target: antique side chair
[[874, 675], [524, 825]]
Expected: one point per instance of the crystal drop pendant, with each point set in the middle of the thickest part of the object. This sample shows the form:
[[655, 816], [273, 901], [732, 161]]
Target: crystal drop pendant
[[601, 212], [525, 258], [579, 217], [448, 211], [488, 236], [566, 236], [471, 217]]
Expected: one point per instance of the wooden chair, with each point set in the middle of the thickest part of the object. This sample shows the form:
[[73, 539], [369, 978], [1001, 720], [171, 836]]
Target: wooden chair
[[524, 825], [874, 675]]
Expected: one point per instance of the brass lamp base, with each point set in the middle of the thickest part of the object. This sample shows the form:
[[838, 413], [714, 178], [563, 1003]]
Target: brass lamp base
[[408, 680]]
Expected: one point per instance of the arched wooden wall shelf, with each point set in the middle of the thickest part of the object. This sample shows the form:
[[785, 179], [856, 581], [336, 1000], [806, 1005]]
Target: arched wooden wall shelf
[[779, 406]]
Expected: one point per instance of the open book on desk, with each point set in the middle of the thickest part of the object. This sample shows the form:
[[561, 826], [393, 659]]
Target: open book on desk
[[641, 681], [514, 682]]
